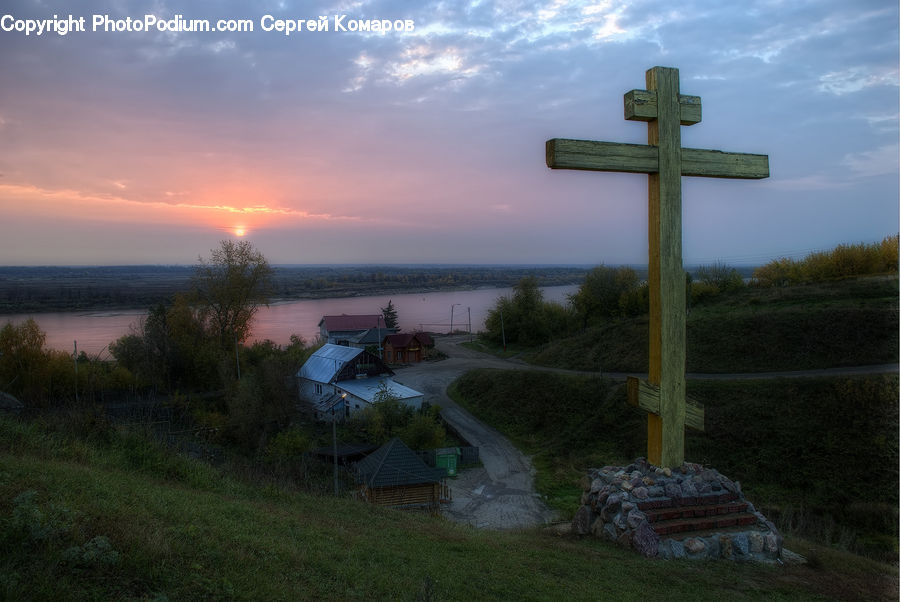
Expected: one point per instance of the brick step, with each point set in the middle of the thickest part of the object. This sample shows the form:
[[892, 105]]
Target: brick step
[[706, 523], [685, 535], [706, 499], [672, 513]]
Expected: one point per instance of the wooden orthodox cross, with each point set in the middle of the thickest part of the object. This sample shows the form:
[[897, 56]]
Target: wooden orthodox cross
[[662, 158]]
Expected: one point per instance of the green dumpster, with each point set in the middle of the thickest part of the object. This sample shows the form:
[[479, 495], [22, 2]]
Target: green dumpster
[[447, 457]]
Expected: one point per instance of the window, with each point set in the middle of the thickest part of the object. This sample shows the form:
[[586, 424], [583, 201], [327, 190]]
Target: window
[[318, 389]]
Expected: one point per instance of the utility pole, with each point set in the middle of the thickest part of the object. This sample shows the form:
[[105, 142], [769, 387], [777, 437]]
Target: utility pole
[[237, 359], [452, 307], [75, 355], [334, 441], [470, 323]]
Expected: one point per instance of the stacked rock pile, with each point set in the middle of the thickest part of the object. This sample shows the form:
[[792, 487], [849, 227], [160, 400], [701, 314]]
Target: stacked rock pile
[[688, 512]]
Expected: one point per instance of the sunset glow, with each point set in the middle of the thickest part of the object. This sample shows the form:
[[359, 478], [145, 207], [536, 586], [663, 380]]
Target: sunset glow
[[427, 146]]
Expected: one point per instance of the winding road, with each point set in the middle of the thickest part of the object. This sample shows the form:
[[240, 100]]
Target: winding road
[[500, 494]]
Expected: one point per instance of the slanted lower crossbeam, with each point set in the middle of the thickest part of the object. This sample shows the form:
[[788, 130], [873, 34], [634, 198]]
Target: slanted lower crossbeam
[[645, 395]]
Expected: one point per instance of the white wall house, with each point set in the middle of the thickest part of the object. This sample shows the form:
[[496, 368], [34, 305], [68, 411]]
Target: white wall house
[[340, 381]]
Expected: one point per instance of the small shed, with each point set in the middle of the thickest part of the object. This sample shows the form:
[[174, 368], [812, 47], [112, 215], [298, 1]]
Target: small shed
[[395, 476]]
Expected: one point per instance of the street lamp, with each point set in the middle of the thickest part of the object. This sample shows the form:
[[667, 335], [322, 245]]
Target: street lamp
[[451, 316]]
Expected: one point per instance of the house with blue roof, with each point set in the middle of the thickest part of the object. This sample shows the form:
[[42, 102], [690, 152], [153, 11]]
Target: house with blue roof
[[337, 381]]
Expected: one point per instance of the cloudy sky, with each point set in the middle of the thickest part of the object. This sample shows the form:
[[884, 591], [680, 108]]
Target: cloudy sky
[[428, 146]]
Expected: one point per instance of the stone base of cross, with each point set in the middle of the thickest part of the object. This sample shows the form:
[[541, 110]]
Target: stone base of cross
[[663, 159]]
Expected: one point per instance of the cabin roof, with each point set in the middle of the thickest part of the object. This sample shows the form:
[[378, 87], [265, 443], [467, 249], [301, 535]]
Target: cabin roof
[[394, 464], [403, 339]]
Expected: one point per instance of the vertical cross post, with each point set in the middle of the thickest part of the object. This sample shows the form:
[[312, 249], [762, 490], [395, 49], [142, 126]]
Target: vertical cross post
[[665, 431]]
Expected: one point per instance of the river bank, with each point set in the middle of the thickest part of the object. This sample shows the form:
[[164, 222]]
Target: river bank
[[123, 288], [440, 311]]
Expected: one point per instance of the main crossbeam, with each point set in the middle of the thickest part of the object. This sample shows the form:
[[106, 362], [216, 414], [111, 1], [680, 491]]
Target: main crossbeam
[[591, 155]]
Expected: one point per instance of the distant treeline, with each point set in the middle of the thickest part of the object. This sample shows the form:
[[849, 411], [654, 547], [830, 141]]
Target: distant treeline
[[365, 280], [30, 289]]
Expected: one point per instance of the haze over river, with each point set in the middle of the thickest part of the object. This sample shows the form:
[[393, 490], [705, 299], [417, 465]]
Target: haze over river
[[415, 311]]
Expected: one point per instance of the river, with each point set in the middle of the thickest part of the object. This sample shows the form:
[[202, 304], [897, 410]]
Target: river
[[415, 311]]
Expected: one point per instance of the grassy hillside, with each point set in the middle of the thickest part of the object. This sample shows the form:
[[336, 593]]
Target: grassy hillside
[[112, 516], [846, 323], [820, 455]]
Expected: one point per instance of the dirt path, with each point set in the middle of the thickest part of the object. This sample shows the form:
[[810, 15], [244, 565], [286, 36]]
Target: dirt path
[[501, 494]]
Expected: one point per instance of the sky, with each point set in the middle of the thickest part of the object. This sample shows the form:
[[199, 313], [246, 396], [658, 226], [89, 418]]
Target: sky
[[427, 146]]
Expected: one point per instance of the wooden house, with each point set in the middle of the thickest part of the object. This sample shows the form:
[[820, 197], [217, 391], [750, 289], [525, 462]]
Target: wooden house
[[395, 476], [406, 348]]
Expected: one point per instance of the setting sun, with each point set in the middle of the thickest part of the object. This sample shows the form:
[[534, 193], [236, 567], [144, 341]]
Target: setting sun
[[240, 231]]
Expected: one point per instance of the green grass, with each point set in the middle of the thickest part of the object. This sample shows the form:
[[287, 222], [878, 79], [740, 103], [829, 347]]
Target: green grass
[[846, 323], [124, 519], [820, 455], [497, 350]]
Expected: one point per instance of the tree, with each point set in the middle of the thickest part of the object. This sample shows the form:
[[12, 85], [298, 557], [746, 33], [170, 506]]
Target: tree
[[172, 348], [230, 288], [603, 293], [721, 276], [390, 315], [526, 318], [23, 361]]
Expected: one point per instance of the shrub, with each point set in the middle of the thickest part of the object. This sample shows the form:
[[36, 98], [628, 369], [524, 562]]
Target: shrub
[[32, 526], [720, 276], [289, 443], [844, 261], [702, 291], [96, 553]]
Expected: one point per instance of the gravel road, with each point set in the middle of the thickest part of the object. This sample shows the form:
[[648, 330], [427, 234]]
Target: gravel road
[[500, 494]]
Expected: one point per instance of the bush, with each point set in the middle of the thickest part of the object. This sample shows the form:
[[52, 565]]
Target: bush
[[702, 291], [32, 526], [635, 302], [289, 443], [721, 277], [388, 418], [423, 432], [844, 261], [96, 553]]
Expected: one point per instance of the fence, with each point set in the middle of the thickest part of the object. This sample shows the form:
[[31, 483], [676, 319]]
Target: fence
[[468, 456]]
